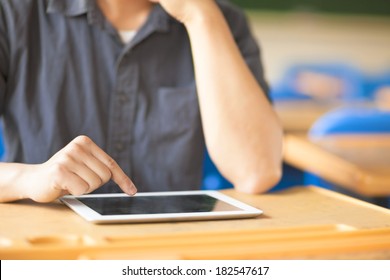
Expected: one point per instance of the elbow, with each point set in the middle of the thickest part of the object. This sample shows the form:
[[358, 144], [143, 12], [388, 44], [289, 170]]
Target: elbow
[[259, 182]]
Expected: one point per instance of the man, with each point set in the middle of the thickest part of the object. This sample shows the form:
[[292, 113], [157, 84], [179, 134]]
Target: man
[[139, 109]]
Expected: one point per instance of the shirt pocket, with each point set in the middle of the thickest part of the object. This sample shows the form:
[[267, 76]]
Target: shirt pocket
[[178, 111], [177, 143]]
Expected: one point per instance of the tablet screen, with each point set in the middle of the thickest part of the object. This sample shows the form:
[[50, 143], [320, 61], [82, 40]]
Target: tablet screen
[[125, 205], [158, 207]]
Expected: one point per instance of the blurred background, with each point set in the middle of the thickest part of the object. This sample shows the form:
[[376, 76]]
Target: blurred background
[[293, 32]]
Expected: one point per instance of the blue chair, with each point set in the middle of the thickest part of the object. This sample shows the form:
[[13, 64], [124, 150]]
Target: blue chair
[[349, 120], [291, 176], [356, 88], [373, 83], [286, 90], [353, 82], [2, 149], [212, 178]]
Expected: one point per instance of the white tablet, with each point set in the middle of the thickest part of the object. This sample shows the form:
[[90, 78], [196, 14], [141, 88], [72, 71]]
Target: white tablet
[[158, 206]]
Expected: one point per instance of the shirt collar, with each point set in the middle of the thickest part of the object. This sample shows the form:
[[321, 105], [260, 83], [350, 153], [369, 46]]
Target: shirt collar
[[69, 7], [158, 19]]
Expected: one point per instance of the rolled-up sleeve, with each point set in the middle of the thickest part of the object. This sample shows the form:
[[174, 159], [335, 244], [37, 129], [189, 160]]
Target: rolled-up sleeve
[[3, 58]]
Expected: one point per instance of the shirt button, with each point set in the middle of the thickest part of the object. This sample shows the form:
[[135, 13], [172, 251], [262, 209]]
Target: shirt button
[[119, 146], [123, 97]]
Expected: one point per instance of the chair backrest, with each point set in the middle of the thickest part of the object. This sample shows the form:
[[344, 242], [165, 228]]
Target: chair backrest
[[373, 83], [340, 81], [347, 120]]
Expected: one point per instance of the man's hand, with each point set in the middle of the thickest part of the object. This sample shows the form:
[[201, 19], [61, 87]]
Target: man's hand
[[186, 10], [79, 168]]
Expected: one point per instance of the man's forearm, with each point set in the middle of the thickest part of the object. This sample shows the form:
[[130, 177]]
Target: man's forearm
[[242, 132], [11, 186]]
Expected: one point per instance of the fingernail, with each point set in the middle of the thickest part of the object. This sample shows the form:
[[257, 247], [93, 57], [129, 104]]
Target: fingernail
[[133, 189]]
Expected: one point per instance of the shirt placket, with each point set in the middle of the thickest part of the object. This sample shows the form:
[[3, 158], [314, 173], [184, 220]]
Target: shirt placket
[[122, 112]]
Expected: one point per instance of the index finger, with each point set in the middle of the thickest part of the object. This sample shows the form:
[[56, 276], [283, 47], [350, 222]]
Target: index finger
[[117, 174]]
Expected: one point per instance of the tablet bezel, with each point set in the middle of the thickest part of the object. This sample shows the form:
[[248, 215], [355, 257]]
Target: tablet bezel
[[246, 211]]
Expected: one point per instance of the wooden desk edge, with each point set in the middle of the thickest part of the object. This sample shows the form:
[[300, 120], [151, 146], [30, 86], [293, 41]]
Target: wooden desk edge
[[343, 173]]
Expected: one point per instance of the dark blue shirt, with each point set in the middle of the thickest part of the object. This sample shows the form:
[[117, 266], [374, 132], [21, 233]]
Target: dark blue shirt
[[64, 72]]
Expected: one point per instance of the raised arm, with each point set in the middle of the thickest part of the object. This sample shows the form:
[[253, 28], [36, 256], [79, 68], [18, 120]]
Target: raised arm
[[242, 131]]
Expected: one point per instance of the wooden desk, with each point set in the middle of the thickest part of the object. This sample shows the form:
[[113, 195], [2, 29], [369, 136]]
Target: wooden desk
[[297, 223], [299, 116], [360, 163]]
